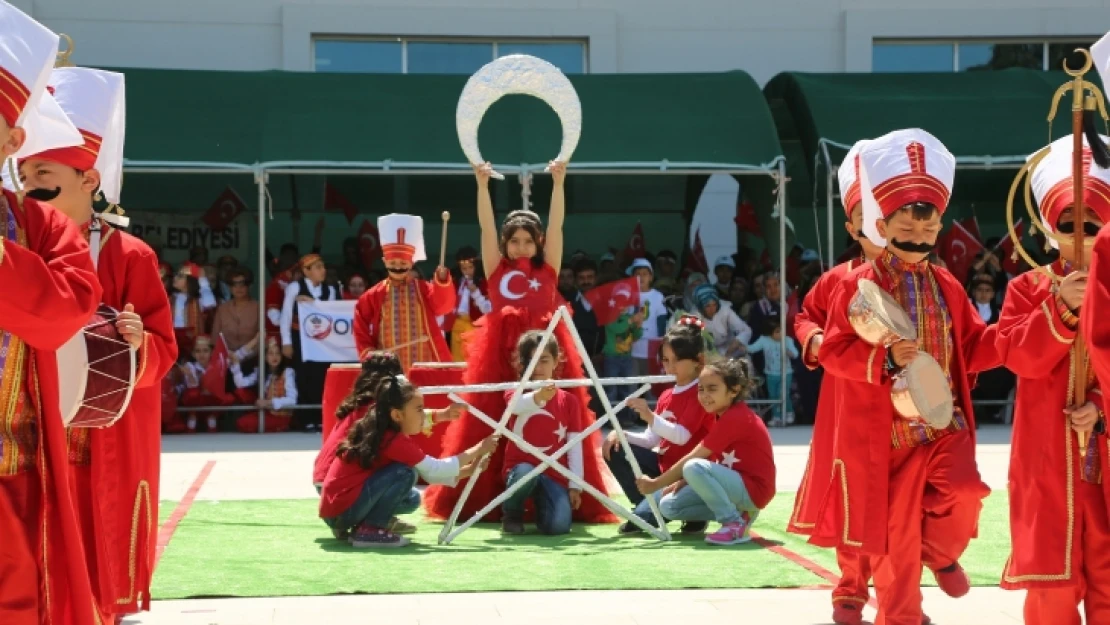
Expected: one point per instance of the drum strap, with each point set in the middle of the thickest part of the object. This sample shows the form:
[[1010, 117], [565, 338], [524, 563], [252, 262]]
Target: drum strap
[[94, 241]]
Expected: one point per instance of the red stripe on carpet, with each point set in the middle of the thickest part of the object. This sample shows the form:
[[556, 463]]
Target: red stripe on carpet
[[165, 533], [805, 563]]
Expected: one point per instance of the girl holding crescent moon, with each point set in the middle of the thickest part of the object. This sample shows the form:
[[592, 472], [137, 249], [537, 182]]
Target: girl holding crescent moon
[[521, 261]]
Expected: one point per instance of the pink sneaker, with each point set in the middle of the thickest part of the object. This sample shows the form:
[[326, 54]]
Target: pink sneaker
[[731, 533]]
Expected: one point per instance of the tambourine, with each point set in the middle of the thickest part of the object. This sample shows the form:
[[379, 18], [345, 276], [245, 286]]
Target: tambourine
[[517, 74], [877, 318], [921, 392]]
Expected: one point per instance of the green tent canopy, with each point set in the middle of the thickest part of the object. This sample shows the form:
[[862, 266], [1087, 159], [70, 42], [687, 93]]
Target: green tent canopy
[[630, 121]]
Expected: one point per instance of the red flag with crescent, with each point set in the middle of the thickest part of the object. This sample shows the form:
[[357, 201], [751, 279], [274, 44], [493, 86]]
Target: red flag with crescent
[[695, 258], [334, 201], [1010, 264], [609, 300], [635, 248], [215, 376], [224, 210], [958, 248], [368, 246]]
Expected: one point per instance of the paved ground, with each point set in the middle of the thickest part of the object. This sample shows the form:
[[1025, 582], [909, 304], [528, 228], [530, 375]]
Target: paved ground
[[278, 466]]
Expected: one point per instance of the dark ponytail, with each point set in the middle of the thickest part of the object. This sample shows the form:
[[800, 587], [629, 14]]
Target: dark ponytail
[[379, 366], [364, 441]]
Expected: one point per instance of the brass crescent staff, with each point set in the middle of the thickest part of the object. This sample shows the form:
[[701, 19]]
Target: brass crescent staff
[[1086, 99]]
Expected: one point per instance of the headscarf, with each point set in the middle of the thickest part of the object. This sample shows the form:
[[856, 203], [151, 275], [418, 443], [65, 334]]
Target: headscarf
[[705, 294]]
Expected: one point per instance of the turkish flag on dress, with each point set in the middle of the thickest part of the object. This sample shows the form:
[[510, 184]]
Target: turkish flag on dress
[[334, 201], [609, 301], [695, 259], [224, 210], [635, 247], [215, 376], [368, 246], [746, 220], [958, 248]]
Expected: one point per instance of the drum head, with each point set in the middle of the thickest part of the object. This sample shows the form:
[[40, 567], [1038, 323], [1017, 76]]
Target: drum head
[[73, 375], [930, 391], [888, 310]]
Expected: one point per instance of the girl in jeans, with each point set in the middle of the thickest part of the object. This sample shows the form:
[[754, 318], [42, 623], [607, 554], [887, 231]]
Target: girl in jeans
[[730, 476], [376, 477]]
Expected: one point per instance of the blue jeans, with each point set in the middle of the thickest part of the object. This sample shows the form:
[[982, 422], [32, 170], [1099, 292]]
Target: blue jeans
[[619, 367], [774, 392], [553, 513], [385, 494], [712, 492]]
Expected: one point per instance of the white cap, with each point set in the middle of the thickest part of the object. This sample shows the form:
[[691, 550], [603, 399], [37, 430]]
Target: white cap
[[402, 237], [640, 263], [1051, 182], [848, 177], [27, 54], [94, 101], [724, 261], [900, 168]]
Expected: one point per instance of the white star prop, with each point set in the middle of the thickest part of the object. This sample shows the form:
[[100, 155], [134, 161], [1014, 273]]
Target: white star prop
[[450, 531], [728, 459]]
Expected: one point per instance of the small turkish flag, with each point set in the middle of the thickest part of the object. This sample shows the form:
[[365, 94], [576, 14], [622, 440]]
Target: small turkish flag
[[695, 258], [958, 249], [224, 210], [1011, 262], [215, 376], [336, 201], [368, 246], [635, 247], [609, 301], [746, 220]]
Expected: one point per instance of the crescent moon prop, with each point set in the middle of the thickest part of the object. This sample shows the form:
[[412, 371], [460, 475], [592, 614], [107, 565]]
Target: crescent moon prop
[[505, 280], [522, 420], [517, 74]]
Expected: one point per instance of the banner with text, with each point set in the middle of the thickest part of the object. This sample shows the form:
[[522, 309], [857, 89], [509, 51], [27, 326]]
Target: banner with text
[[176, 234], [327, 333]]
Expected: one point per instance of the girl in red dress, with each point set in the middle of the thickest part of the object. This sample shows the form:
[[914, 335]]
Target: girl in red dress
[[521, 263]]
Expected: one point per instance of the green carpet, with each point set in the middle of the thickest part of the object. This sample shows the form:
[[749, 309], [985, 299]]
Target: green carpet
[[280, 548]]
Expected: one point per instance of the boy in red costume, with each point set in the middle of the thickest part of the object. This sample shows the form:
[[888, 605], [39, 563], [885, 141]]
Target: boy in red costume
[[399, 313], [904, 494], [115, 468], [853, 591], [45, 263], [521, 262]]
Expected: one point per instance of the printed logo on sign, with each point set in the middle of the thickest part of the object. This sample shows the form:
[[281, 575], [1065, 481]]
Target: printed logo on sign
[[318, 326]]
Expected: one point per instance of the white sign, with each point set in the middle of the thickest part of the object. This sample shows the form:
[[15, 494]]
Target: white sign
[[177, 234], [327, 331]]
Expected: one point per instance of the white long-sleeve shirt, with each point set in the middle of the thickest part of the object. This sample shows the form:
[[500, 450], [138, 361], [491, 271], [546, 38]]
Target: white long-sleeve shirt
[[726, 325], [280, 403], [480, 301], [439, 471], [662, 429]]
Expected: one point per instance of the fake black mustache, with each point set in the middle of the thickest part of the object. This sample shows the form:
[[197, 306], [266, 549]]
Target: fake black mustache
[[399, 272], [918, 248], [1068, 227], [44, 195]]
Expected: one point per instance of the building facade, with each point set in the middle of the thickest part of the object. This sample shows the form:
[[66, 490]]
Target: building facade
[[597, 36]]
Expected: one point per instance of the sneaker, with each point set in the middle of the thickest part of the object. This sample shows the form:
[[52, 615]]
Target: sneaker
[[512, 525], [847, 614], [734, 533], [367, 537], [397, 526], [340, 534], [953, 580], [694, 527]]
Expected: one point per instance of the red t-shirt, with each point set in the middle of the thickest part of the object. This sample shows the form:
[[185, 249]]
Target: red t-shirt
[[345, 479], [740, 441], [680, 405], [338, 433], [518, 284], [548, 429]]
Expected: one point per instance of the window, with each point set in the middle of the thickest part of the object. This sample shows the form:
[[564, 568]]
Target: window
[[972, 55], [438, 56]]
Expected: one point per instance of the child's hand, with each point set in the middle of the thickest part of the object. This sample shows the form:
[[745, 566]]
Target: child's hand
[[638, 319], [545, 394], [575, 499], [489, 445], [611, 441], [639, 405], [646, 485], [451, 413], [287, 351], [264, 403], [673, 488]]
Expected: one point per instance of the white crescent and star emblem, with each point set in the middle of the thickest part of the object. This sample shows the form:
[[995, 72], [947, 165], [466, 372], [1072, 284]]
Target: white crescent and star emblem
[[561, 432], [728, 459], [622, 291], [507, 279], [963, 250], [637, 242], [370, 240], [522, 420]]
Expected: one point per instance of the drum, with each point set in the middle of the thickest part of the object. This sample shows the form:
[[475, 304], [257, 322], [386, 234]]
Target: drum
[[96, 373], [877, 318], [338, 383], [921, 392]]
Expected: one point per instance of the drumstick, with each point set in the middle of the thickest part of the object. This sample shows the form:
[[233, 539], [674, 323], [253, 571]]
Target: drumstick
[[443, 240], [418, 341]]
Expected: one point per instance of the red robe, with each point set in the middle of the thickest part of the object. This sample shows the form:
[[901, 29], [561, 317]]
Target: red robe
[[1036, 344], [378, 326], [43, 576], [809, 323], [855, 571], [116, 468], [1098, 298], [854, 509], [524, 298]]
